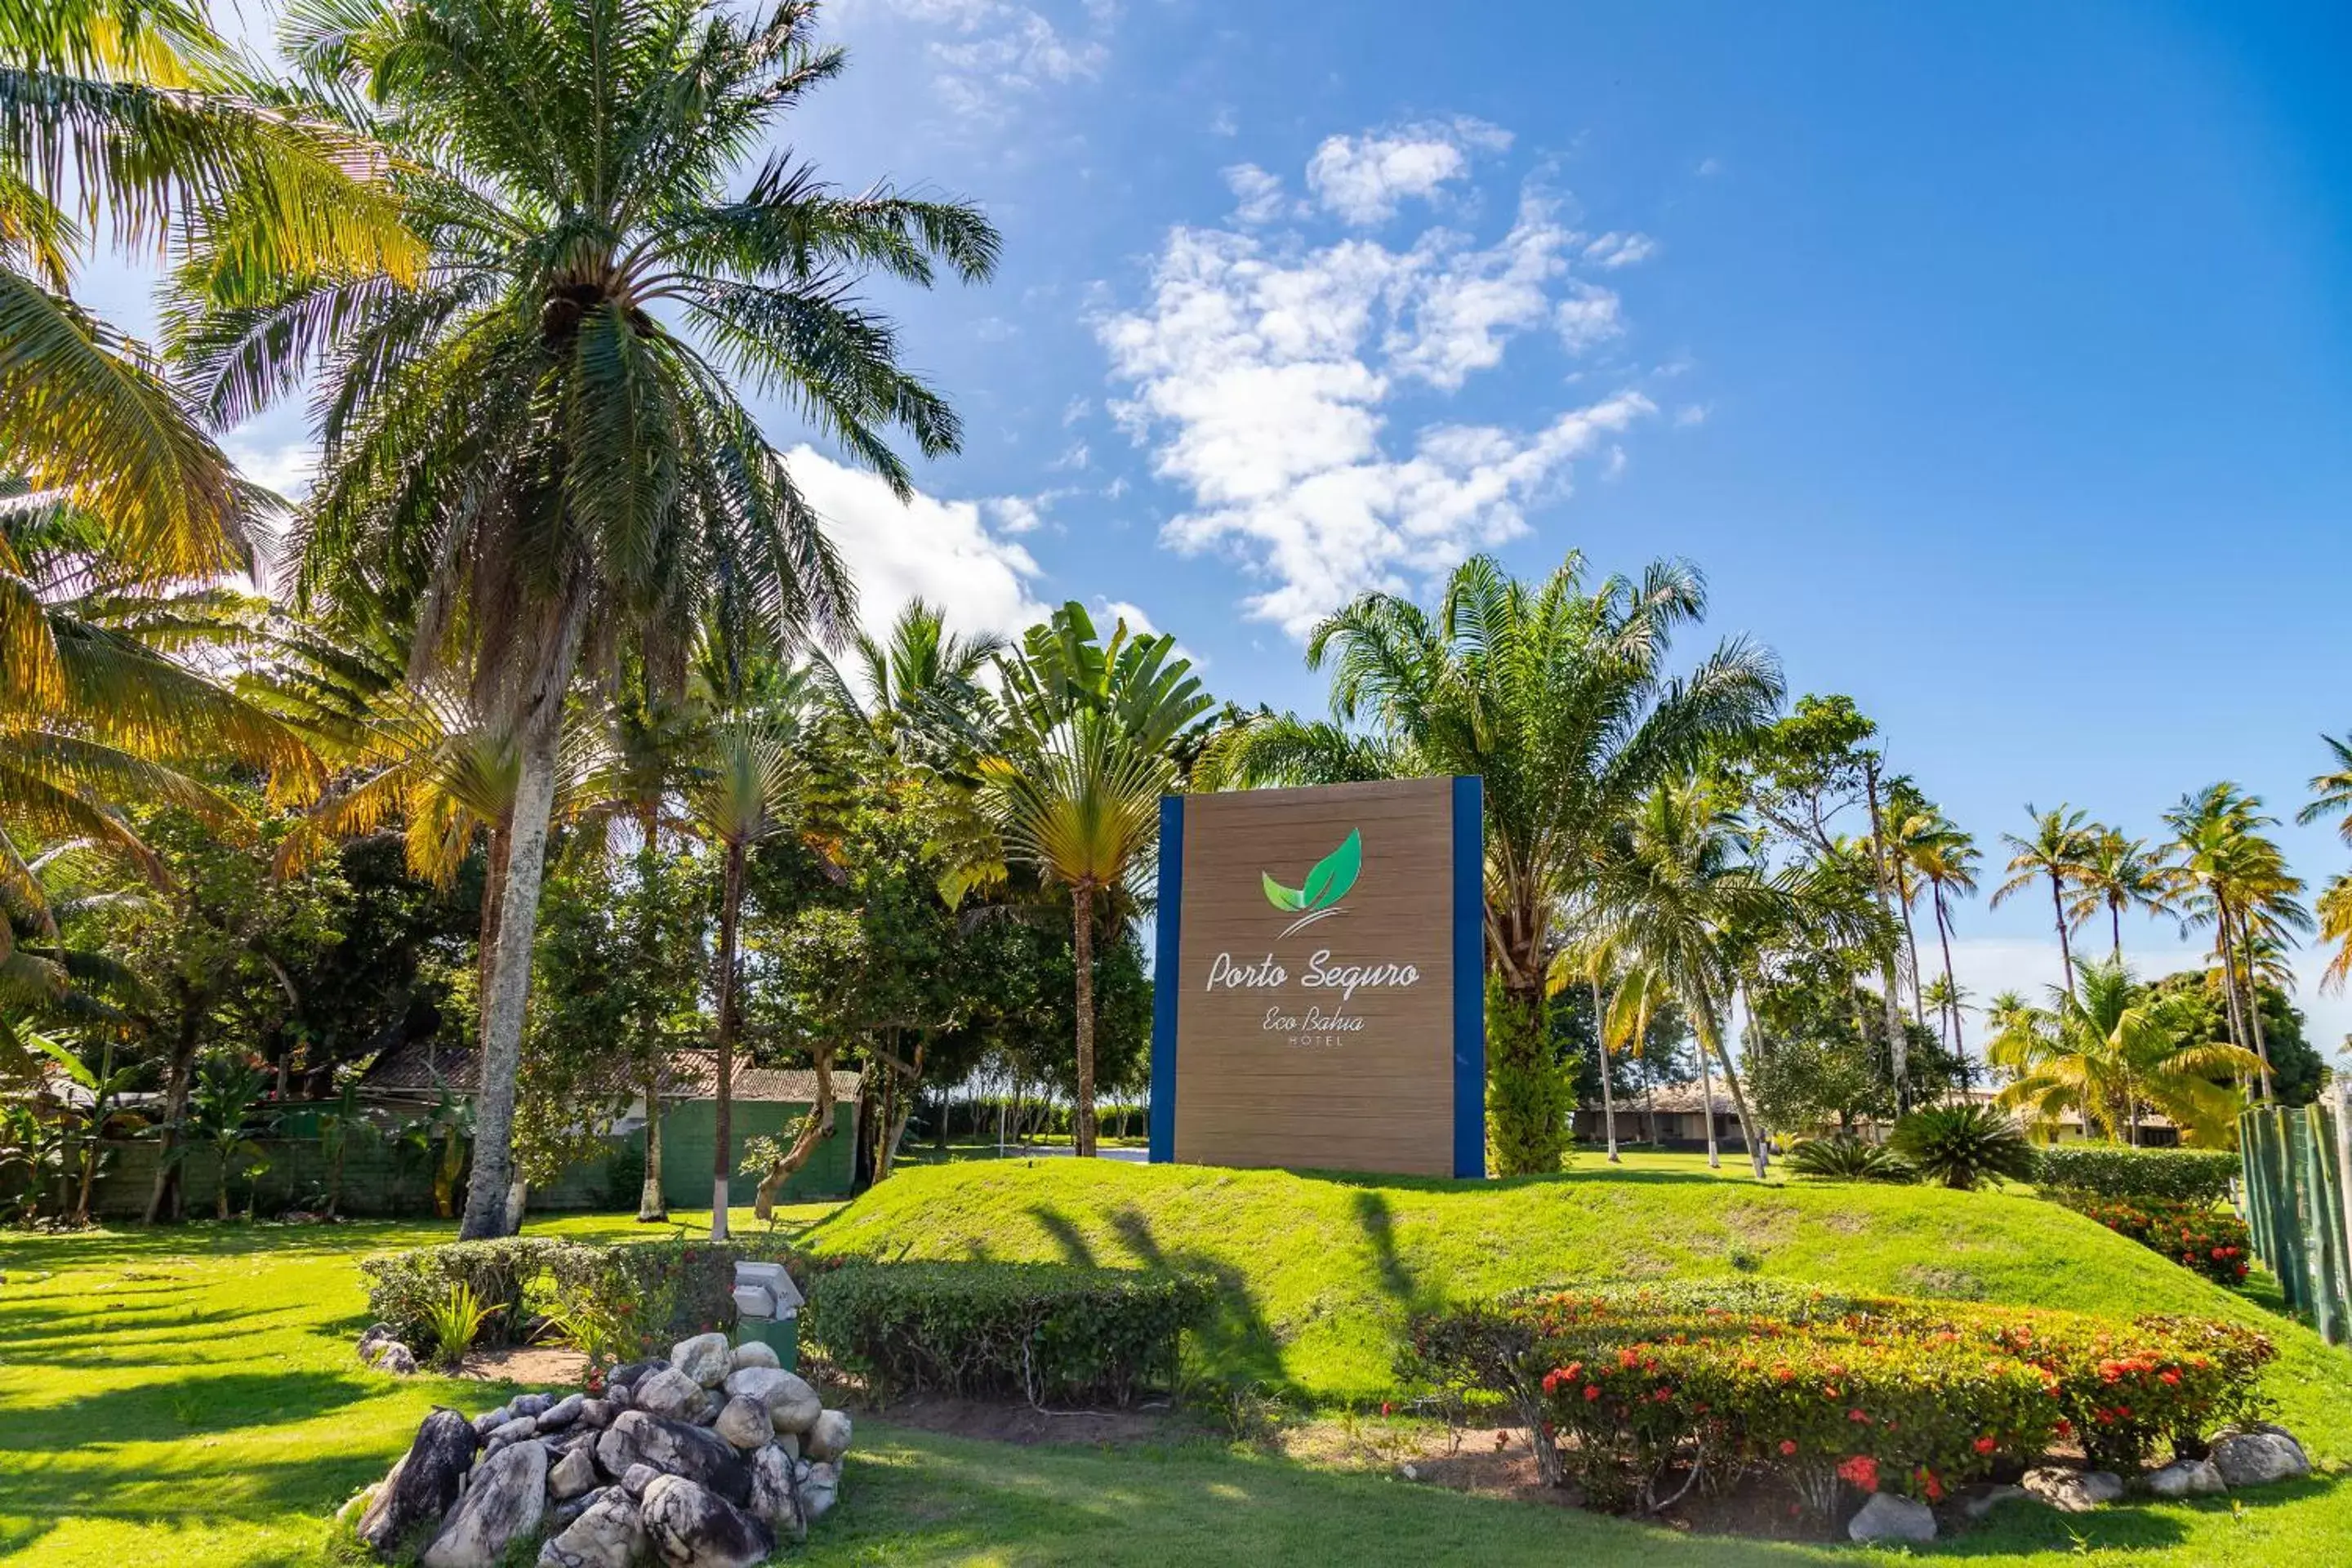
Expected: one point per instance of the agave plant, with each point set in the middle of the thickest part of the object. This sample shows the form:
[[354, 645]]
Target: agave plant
[[1963, 1146], [1845, 1159]]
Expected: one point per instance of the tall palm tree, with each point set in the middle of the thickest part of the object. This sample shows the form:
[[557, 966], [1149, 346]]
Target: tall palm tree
[[743, 795], [1558, 695], [532, 454], [130, 116], [2335, 911], [918, 693], [2111, 1048], [1592, 958], [2060, 843], [1946, 856], [2118, 874], [2231, 875], [1089, 746], [2331, 792], [1680, 883]]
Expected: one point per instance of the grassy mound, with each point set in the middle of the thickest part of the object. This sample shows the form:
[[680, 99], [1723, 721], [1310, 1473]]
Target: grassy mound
[[1320, 1272]]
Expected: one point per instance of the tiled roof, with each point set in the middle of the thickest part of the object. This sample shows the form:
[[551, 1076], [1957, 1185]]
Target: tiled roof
[[416, 1068]]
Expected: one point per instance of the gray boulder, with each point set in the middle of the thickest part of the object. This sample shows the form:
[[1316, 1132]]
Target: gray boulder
[[573, 1474], [2187, 1477], [706, 1358], [607, 1534], [1887, 1517], [597, 1413], [669, 1394], [562, 1413], [792, 1406], [675, 1449], [424, 1483], [532, 1404], [639, 1478], [743, 1422], [691, 1526], [505, 1503], [2074, 1491], [561, 1515], [396, 1358], [773, 1502], [515, 1431], [489, 1421], [829, 1437], [817, 1487], [753, 1352], [2258, 1457]]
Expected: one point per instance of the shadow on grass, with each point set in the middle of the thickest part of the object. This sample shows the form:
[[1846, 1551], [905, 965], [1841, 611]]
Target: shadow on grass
[[169, 1410]]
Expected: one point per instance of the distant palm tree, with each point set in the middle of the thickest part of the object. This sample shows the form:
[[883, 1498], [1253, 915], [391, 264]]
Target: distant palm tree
[[2117, 874], [2335, 911], [919, 694], [1947, 856], [1950, 1001], [2111, 1049], [2331, 795], [2231, 875], [534, 456], [2060, 845]]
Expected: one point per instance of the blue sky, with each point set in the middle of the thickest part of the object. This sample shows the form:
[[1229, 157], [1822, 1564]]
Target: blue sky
[[1994, 361]]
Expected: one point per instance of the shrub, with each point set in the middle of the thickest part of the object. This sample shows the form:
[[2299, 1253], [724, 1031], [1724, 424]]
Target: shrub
[[1962, 1146], [1043, 1331], [1845, 1159], [454, 1322], [2116, 1171], [2197, 1236], [405, 1289], [639, 1298], [1881, 1395]]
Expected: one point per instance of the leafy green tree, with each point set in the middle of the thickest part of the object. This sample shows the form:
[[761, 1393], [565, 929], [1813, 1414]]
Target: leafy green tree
[[531, 456], [221, 1118], [2295, 1067], [1557, 693]]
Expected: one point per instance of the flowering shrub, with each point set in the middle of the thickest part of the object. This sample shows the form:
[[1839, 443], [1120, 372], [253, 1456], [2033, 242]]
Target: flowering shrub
[[2197, 1236], [1881, 1394]]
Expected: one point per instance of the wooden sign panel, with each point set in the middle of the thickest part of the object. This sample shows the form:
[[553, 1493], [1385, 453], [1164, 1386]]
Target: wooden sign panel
[[1317, 987]]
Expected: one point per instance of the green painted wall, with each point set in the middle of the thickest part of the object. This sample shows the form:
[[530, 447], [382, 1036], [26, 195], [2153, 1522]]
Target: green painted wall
[[690, 1131], [376, 1183]]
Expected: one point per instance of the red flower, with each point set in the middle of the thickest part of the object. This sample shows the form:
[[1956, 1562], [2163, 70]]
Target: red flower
[[1986, 1445], [1862, 1470], [1389, 1409], [1787, 1447], [2168, 1376], [1858, 1415], [1591, 1392]]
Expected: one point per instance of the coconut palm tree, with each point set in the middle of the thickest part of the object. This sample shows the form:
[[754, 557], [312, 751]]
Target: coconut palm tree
[[131, 116], [1945, 857], [1593, 959], [2060, 843], [1558, 694], [1680, 884], [2118, 874], [2110, 1048], [1089, 745], [2232, 877], [917, 694], [2335, 911], [532, 456]]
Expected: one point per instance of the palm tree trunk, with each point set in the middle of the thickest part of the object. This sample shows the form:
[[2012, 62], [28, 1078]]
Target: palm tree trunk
[[503, 1007], [1707, 1105], [1712, 1038], [486, 949], [1911, 952], [2065, 951], [2255, 1008], [1082, 902], [1608, 1099], [731, 915], [1899, 1047], [1951, 985], [652, 1204], [2116, 924]]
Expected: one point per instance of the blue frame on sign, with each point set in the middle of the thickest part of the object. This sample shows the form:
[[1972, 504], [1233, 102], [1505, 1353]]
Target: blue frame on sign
[[1469, 899]]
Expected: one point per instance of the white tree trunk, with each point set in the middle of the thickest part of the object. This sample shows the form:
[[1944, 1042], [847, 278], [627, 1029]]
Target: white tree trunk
[[503, 1008]]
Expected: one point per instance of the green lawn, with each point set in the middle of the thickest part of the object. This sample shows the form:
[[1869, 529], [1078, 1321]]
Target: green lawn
[[190, 1397]]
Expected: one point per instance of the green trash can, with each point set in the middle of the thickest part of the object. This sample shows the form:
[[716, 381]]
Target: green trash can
[[781, 1335]]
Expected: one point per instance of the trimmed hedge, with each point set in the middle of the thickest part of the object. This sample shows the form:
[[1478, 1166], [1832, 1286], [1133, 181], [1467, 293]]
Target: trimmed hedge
[[2116, 1171], [631, 1299], [1915, 1396], [1041, 1330], [2197, 1236]]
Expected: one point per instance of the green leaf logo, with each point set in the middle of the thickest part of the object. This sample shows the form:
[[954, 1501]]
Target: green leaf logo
[[1326, 884]]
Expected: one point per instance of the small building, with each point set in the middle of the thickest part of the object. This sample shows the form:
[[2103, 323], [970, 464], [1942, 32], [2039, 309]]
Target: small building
[[409, 1079]]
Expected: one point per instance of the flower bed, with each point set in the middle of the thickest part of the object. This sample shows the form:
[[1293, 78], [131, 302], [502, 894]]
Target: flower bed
[[1637, 1393], [2195, 1235]]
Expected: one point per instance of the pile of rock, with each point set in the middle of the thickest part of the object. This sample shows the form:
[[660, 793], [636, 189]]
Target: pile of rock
[[707, 1459], [381, 1348], [2251, 1457]]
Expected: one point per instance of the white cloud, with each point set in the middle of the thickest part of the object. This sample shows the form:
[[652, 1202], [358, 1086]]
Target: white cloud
[[942, 551], [1614, 249], [1076, 455], [1260, 373], [1001, 49], [1258, 193], [290, 470], [1362, 178], [1014, 514], [1708, 168], [1691, 414]]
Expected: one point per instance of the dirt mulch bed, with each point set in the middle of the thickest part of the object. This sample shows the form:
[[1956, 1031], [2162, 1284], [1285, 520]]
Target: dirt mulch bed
[[1025, 1425], [540, 1366]]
